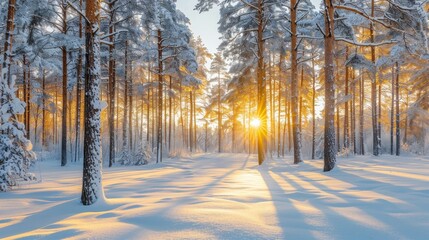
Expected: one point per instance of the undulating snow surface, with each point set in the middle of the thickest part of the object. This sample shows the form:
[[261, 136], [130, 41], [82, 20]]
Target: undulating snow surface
[[226, 196]]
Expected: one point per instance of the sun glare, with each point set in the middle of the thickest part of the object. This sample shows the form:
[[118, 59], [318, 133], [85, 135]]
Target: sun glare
[[255, 123]]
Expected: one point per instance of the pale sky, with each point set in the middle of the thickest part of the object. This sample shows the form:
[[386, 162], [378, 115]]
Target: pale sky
[[205, 24]]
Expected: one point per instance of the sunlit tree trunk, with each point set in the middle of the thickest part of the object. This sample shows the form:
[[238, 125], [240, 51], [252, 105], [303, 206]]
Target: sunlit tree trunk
[[92, 188], [65, 92], [261, 81], [398, 120], [313, 109], [279, 105], [191, 122], [126, 98], [361, 114], [374, 113], [353, 115], [43, 109], [112, 82], [329, 146], [170, 113], [346, 106], [392, 111], [160, 96], [79, 88], [131, 105], [294, 84]]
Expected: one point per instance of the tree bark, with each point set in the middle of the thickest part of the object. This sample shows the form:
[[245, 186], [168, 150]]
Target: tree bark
[[112, 83], [79, 88], [329, 145], [294, 84], [398, 120], [126, 97], [92, 189], [346, 106], [375, 135], [392, 112], [160, 94], [65, 92], [261, 81]]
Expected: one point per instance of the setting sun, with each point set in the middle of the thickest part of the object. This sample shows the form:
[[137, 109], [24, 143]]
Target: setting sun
[[255, 123]]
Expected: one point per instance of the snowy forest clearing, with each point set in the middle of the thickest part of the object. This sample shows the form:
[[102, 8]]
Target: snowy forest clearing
[[226, 196]]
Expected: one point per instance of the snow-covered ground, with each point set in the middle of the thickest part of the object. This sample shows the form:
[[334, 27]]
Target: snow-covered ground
[[226, 196]]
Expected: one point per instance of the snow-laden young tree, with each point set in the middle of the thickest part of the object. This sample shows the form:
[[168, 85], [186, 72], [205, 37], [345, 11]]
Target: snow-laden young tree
[[15, 149]]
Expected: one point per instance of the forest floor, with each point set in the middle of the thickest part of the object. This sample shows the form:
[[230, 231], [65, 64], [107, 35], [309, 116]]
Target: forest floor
[[227, 196]]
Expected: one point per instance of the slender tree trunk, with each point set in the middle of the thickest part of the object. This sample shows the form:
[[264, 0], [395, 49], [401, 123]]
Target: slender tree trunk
[[26, 93], [43, 109], [375, 135], [294, 84], [65, 92], [112, 83], [191, 122], [392, 112], [219, 113], [261, 80], [79, 88], [407, 123], [346, 106], [353, 114], [361, 115], [160, 94], [313, 112], [329, 146], [170, 113], [279, 103], [148, 104], [272, 121], [398, 120], [92, 188], [131, 105], [126, 97]]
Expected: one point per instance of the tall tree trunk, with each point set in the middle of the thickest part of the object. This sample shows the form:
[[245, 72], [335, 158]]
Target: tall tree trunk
[[65, 92], [346, 106], [27, 103], [407, 123], [329, 146], [131, 105], [160, 94], [272, 121], [92, 188], [7, 54], [375, 136], [313, 109], [361, 114], [353, 114], [79, 88], [262, 88], [219, 112], [191, 122], [170, 113], [112, 83], [279, 103], [392, 111], [43, 109], [398, 121], [294, 84], [126, 97]]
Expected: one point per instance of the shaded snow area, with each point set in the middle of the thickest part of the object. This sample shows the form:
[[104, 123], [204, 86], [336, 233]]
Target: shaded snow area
[[226, 196]]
